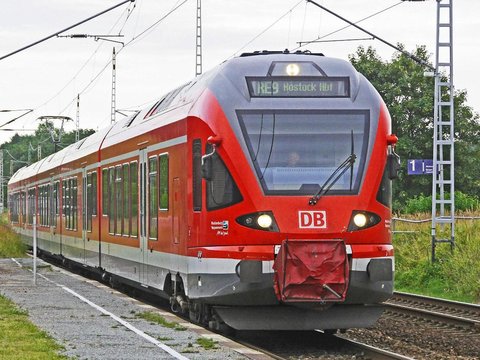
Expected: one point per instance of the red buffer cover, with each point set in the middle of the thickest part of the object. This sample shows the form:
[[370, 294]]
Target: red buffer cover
[[311, 270]]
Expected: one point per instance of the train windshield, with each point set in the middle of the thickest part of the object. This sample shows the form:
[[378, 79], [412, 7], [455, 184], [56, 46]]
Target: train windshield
[[294, 153]]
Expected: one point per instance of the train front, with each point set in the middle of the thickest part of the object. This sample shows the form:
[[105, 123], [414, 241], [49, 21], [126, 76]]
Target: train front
[[294, 231]]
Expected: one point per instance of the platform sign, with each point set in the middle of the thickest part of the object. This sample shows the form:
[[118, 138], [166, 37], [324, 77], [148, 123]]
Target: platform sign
[[420, 167]]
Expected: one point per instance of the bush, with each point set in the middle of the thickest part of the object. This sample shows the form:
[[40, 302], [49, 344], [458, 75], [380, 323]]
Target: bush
[[423, 204]]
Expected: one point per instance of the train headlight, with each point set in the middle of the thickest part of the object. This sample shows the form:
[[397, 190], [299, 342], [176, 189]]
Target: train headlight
[[292, 69], [263, 220], [362, 220]]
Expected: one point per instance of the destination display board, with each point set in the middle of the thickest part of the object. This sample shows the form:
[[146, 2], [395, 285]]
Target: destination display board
[[299, 87]]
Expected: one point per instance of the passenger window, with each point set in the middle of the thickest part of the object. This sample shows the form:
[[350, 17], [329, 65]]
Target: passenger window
[[163, 188], [105, 191], [134, 198], [153, 196], [126, 201], [197, 174]]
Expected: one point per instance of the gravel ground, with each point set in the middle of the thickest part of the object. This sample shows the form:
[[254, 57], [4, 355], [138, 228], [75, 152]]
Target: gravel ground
[[88, 333], [420, 339]]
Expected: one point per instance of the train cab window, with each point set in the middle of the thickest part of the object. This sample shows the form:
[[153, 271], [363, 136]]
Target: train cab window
[[197, 174], [134, 198], [222, 191], [163, 187], [295, 152], [152, 198]]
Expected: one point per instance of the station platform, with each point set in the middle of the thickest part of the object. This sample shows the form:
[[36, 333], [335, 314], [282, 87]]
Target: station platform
[[93, 321]]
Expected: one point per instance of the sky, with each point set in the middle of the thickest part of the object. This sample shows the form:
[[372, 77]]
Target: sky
[[48, 77]]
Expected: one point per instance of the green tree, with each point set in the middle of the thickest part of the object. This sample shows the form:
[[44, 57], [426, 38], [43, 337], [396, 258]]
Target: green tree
[[22, 150], [408, 95]]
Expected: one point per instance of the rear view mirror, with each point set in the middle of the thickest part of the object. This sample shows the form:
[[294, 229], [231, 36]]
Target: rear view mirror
[[206, 168], [393, 163], [207, 165]]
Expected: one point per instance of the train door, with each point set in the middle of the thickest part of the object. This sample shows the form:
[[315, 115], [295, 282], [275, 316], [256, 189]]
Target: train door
[[84, 211], [143, 185]]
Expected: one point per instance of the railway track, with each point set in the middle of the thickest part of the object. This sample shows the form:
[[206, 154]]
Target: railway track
[[309, 345], [453, 313]]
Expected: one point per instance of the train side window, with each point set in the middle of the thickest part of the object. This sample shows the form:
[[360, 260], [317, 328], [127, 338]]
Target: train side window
[[197, 174], [153, 198], [163, 188], [94, 193], [56, 200], [134, 197], [222, 191], [105, 192], [384, 194], [67, 203], [118, 200], [40, 205], [31, 205], [111, 200], [14, 208], [126, 201], [74, 207], [89, 201]]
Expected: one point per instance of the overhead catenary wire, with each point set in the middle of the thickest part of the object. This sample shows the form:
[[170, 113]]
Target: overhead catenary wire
[[86, 62], [62, 31], [303, 43], [132, 40], [406, 53], [266, 29], [99, 73]]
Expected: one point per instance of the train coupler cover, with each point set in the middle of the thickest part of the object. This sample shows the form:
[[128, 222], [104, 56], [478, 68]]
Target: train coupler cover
[[311, 271]]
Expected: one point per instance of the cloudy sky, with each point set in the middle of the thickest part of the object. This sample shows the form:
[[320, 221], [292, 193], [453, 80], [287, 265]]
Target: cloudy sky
[[48, 77]]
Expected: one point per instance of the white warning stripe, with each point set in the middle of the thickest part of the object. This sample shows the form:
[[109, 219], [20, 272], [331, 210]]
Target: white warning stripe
[[129, 326]]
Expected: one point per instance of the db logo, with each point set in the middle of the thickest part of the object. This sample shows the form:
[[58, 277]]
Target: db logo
[[312, 219]]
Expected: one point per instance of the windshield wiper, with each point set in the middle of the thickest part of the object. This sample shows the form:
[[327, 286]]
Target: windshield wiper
[[336, 174]]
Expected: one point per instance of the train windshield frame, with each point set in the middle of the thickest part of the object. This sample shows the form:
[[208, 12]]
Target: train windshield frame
[[295, 151]]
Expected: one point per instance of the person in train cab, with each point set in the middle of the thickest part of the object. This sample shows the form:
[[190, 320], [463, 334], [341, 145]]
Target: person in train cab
[[293, 159]]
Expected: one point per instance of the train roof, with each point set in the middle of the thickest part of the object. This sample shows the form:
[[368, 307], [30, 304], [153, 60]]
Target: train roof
[[219, 80]]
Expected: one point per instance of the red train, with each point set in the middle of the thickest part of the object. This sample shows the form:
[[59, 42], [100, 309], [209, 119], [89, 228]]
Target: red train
[[256, 195]]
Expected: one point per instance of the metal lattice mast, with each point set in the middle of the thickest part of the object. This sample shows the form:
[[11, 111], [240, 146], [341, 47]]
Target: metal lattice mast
[[1, 181], [114, 86], [443, 185], [77, 120], [198, 56]]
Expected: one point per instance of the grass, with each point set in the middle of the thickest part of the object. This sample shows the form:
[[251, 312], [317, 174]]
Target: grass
[[160, 320], [20, 339], [455, 275], [10, 243], [207, 343]]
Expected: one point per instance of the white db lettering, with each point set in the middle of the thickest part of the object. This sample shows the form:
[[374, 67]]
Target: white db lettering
[[312, 219]]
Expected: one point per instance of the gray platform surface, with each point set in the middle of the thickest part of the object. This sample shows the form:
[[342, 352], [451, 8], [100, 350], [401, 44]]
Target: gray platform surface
[[93, 321]]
